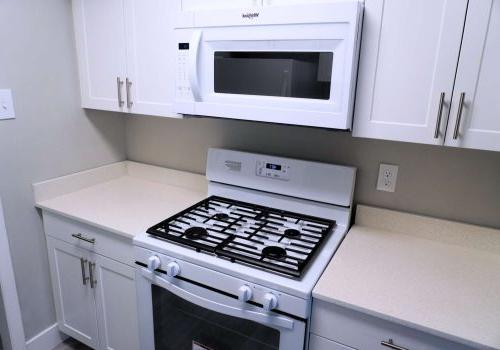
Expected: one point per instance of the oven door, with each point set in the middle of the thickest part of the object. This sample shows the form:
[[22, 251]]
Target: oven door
[[175, 314]]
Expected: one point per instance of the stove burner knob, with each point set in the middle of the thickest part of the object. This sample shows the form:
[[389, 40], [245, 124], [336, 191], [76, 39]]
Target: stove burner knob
[[244, 293], [270, 301], [172, 269], [154, 263]]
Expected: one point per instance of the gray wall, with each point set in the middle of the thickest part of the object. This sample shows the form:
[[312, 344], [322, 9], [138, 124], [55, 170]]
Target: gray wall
[[51, 136], [456, 184]]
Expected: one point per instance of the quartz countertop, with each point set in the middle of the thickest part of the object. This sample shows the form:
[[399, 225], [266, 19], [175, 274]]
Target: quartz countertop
[[434, 275], [125, 198]]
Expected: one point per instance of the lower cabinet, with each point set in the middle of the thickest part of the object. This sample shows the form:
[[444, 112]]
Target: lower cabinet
[[319, 343], [94, 296]]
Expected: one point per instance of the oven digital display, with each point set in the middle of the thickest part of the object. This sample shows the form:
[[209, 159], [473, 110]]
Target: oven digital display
[[273, 166]]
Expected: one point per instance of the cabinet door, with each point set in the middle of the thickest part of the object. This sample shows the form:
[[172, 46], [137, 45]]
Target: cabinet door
[[116, 302], [478, 81], [74, 299], [293, 2], [201, 5], [319, 343], [150, 56], [409, 56], [100, 41]]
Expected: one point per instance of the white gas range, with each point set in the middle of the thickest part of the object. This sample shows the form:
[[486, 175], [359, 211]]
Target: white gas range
[[236, 270]]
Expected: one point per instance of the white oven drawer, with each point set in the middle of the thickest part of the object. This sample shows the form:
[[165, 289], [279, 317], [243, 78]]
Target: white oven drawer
[[365, 332], [90, 238]]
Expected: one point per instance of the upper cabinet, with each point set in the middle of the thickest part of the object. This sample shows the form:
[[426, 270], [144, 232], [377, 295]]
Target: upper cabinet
[[201, 5], [125, 54], [475, 114], [427, 73], [409, 55]]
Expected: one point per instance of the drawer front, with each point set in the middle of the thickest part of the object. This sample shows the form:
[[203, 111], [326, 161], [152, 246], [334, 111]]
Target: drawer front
[[365, 332], [319, 343], [104, 243]]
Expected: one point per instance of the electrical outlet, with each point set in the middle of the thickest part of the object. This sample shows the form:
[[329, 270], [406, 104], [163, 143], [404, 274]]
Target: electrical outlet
[[387, 177]]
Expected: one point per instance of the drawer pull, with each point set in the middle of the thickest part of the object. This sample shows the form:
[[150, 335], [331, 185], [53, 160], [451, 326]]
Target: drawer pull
[[390, 344], [82, 238]]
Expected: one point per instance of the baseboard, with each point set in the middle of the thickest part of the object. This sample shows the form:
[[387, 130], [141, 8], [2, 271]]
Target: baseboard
[[47, 339]]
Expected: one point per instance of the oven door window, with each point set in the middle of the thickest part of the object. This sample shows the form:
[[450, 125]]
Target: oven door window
[[280, 74], [181, 325]]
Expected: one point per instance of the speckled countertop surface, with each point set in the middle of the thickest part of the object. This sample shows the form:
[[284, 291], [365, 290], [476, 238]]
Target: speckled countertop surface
[[434, 275]]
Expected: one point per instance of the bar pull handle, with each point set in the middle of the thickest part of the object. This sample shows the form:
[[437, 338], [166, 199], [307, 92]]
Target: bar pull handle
[[439, 115], [128, 85], [93, 281], [119, 85], [459, 115], [82, 238], [390, 344], [84, 277]]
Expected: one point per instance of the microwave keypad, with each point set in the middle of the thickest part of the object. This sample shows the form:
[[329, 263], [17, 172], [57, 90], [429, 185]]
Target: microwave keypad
[[183, 88]]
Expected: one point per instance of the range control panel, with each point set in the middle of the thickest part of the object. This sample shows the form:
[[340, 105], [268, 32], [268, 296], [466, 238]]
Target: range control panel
[[278, 171], [183, 88]]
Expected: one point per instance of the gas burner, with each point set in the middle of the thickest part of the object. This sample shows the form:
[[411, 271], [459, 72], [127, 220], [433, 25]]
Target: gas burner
[[292, 233], [196, 232], [221, 216], [274, 252]]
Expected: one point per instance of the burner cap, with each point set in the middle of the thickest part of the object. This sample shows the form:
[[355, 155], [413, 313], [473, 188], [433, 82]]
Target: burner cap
[[221, 216], [274, 252], [196, 232], [292, 233]]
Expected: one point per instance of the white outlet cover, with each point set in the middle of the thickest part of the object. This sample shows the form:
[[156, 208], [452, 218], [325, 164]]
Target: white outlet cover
[[6, 104], [387, 177]]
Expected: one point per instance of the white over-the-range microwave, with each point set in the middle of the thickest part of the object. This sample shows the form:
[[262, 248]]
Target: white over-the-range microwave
[[294, 64]]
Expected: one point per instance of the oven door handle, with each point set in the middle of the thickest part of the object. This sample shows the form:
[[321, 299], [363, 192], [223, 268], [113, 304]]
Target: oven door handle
[[260, 317], [194, 49]]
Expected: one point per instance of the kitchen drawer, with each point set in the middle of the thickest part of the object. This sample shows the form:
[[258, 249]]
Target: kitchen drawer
[[365, 332], [106, 243], [319, 343]]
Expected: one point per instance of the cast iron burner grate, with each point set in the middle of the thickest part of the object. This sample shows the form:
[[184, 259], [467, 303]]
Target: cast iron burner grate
[[271, 239]]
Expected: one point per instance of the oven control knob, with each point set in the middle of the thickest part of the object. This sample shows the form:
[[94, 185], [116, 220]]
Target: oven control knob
[[172, 269], [244, 293], [270, 301], [154, 263]]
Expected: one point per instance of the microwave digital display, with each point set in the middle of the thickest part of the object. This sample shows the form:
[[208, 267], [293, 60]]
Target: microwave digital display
[[183, 46], [277, 73]]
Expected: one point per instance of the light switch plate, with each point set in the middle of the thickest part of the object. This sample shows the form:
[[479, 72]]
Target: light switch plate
[[6, 104], [387, 177]]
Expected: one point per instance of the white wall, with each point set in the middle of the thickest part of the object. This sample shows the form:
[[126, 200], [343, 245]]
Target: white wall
[[455, 184], [51, 136]]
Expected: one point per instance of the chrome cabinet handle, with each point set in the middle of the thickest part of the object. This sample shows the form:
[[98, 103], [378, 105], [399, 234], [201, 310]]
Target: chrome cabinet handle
[[93, 282], [119, 84], [439, 115], [459, 115], [84, 278], [82, 238], [128, 85], [390, 344]]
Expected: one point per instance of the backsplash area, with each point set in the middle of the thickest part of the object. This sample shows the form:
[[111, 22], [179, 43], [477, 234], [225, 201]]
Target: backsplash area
[[455, 184]]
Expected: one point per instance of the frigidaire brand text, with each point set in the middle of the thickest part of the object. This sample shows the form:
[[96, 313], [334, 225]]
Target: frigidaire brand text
[[250, 15]]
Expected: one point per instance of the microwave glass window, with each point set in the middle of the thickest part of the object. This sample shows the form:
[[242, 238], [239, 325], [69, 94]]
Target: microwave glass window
[[281, 74], [181, 325]]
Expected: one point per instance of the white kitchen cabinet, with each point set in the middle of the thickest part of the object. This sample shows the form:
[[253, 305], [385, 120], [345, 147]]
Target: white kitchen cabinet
[[74, 299], [319, 343], [95, 295], [293, 2], [101, 50], [477, 123], [117, 316], [409, 55], [202, 5], [125, 53]]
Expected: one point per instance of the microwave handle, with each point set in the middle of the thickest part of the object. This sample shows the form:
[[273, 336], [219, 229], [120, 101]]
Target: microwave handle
[[260, 317], [194, 48]]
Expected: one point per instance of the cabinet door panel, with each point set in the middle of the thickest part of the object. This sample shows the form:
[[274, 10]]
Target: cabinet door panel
[[201, 5], [292, 2], [409, 55], [100, 39], [116, 302], [479, 80], [150, 55], [75, 302]]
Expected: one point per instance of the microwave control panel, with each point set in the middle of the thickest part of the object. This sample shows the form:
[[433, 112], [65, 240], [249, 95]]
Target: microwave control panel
[[273, 170], [182, 87]]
